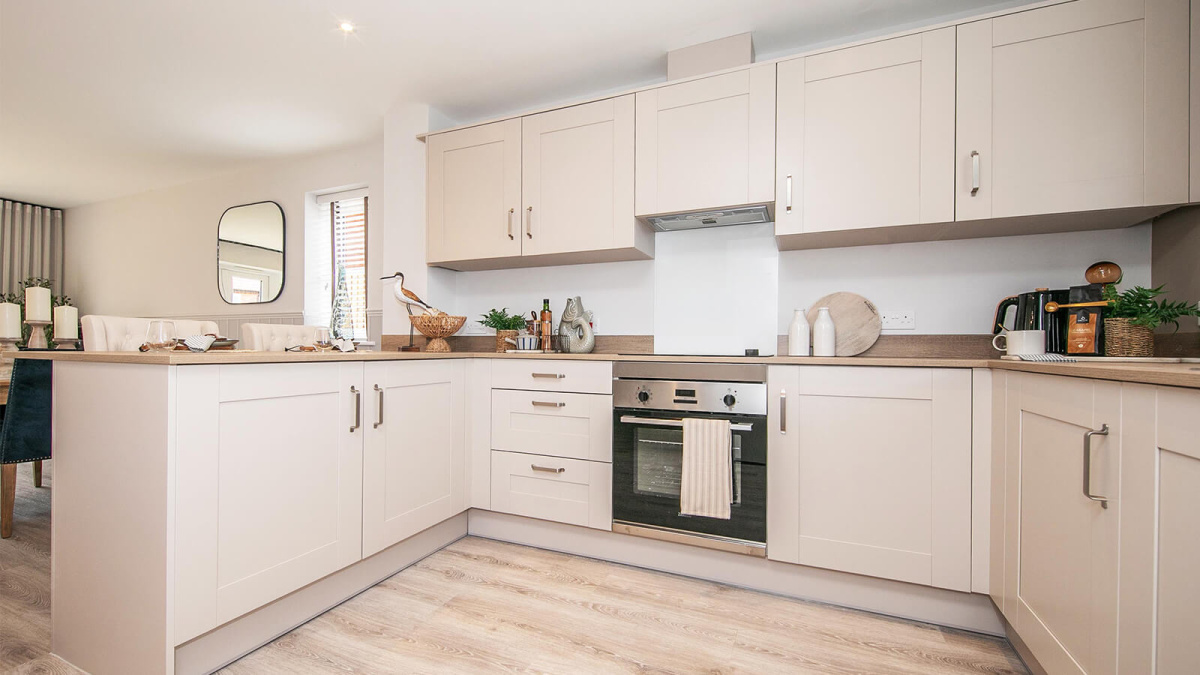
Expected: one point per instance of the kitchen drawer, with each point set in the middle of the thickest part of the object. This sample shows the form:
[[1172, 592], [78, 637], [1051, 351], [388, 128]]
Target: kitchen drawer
[[571, 491], [588, 377], [577, 426]]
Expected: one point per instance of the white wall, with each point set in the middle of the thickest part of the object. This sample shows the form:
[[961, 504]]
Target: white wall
[[404, 222], [154, 254]]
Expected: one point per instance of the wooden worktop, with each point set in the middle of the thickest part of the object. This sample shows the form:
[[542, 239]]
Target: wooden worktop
[[1170, 374]]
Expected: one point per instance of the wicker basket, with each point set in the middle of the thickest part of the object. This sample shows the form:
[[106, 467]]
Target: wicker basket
[[501, 345], [1123, 338], [437, 328]]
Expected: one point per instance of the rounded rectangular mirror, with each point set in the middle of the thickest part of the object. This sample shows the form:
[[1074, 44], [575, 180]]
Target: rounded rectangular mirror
[[250, 253]]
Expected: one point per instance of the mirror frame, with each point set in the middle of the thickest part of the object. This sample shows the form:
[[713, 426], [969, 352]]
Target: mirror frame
[[283, 253]]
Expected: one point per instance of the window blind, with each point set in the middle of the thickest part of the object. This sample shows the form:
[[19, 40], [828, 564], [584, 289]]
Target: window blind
[[348, 219]]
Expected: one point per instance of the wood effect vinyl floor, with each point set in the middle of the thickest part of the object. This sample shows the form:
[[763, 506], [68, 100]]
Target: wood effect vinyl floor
[[485, 606]]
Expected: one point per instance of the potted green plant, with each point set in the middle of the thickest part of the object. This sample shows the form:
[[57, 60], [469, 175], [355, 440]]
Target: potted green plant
[[1133, 315], [506, 325]]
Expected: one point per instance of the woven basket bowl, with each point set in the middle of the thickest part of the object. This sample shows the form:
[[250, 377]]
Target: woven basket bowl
[[437, 328], [1123, 338]]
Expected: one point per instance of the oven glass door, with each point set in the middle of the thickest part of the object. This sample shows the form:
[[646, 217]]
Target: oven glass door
[[647, 465]]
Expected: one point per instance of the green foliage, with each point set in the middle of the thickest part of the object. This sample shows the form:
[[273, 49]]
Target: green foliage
[[341, 302], [1138, 304], [500, 319]]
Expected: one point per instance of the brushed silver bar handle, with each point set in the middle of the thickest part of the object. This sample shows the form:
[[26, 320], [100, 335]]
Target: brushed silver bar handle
[[548, 469], [551, 376], [789, 193], [379, 413], [783, 411], [1087, 465], [659, 422], [974, 172], [510, 219], [357, 408], [549, 404], [529, 222]]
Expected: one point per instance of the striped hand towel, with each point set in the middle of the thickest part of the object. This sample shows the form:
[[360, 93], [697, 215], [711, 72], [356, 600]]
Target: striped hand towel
[[706, 484]]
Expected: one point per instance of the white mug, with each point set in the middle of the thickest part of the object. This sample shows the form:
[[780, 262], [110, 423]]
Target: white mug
[[524, 342], [1019, 342]]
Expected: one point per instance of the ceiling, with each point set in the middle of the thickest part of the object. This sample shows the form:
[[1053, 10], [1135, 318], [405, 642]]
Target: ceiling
[[104, 99]]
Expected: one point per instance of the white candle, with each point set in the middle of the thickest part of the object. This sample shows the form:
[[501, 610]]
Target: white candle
[[37, 304], [66, 323], [10, 321]]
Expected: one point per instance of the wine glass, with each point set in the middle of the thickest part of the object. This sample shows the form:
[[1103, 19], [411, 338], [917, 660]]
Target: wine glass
[[160, 336]]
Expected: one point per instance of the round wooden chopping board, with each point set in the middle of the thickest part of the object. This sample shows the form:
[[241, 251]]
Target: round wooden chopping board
[[854, 318]]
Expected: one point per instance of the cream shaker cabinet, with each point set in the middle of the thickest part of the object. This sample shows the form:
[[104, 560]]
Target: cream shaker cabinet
[[552, 188], [473, 193], [1062, 506], [871, 471], [707, 143], [865, 136], [414, 453], [269, 485], [1074, 107], [1160, 531]]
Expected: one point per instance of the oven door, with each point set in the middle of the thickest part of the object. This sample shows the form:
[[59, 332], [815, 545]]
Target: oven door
[[647, 466]]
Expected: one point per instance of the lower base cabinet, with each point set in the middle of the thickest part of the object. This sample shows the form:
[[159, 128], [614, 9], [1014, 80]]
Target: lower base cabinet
[[572, 491], [870, 471]]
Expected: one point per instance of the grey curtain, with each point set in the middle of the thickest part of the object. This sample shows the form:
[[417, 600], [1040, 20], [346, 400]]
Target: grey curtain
[[31, 245]]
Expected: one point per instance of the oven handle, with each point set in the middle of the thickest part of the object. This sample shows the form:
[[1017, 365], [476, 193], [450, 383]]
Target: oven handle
[[656, 422]]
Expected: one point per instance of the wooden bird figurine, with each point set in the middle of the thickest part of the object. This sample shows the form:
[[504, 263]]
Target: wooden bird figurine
[[410, 295]]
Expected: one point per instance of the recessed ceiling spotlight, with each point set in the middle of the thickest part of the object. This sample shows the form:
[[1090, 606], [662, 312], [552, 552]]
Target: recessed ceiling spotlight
[[346, 27]]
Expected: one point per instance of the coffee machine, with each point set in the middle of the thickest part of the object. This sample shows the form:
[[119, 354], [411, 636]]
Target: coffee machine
[[1027, 311]]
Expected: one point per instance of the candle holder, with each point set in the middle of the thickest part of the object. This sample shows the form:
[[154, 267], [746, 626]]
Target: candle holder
[[66, 343], [37, 334], [7, 345]]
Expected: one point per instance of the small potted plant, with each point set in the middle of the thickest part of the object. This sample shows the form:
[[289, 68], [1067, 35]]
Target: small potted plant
[[506, 326], [1133, 315]]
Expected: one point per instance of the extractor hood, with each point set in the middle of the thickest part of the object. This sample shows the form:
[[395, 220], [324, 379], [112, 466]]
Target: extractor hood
[[746, 215]]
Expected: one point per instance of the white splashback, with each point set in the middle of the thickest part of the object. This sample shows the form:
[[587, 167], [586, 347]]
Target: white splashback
[[716, 290]]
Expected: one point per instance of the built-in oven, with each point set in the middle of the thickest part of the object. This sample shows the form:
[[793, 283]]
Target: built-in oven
[[650, 401]]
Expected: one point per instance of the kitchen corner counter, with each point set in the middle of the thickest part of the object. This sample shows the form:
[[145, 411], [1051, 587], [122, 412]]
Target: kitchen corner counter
[[1166, 374]]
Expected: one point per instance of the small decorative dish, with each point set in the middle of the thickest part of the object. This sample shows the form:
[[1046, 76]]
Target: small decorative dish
[[223, 343]]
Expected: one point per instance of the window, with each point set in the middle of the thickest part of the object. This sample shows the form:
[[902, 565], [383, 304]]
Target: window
[[246, 289], [348, 225]]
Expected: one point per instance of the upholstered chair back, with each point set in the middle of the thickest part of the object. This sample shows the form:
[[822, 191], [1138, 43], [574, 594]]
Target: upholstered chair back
[[271, 337], [126, 334]]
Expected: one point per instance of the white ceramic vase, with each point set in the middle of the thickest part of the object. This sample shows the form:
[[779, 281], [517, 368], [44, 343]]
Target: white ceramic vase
[[798, 334], [824, 334]]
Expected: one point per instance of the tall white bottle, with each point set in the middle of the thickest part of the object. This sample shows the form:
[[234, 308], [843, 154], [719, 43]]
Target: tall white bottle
[[824, 334], [798, 333]]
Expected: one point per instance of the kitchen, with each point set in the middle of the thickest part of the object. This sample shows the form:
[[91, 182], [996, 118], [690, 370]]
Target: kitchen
[[910, 473]]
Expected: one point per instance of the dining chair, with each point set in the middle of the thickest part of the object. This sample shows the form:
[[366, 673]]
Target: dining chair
[[24, 431], [276, 337], [125, 334]]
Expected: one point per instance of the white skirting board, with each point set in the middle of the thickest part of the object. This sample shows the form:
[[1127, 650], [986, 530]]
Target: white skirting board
[[968, 611], [229, 642]]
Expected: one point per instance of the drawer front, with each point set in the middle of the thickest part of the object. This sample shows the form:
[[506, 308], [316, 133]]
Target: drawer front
[[569, 491], [577, 426], [585, 377]]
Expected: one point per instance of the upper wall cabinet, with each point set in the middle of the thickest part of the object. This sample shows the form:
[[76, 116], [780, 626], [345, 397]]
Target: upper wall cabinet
[[473, 192], [707, 143], [1076, 107], [865, 136], [552, 188]]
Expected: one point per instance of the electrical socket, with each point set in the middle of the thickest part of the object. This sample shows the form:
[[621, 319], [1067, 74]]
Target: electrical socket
[[476, 328], [899, 319]]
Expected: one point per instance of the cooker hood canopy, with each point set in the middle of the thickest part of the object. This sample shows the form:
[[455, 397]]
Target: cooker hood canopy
[[743, 215]]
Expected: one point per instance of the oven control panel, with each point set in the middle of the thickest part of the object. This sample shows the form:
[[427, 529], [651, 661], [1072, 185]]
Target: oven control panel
[[743, 398]]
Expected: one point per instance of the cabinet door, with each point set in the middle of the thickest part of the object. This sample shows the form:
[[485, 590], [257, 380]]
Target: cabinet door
[[473, 193], [865, 136], [884, 472], [578, 178], [1061, 565], [414, 463], [783, 458], [571, 491], [1160, 530], [707, 143], [1073, 107], [268, 482]]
